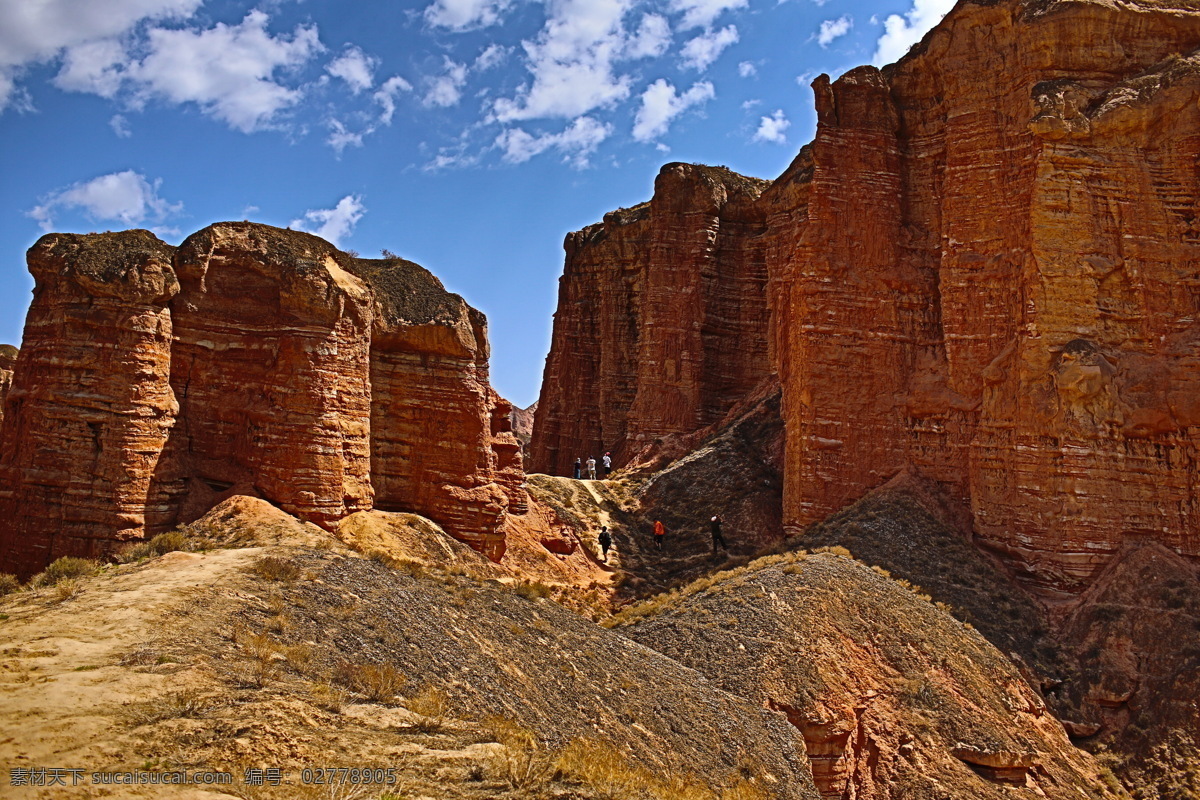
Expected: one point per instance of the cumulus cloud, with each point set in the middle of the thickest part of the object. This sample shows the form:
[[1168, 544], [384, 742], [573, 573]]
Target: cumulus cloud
[[698, 53], [652, 39], [661, 104], [94, 67], [446, 90], [834, 28], [386, 97], [333, 224], [771, 129], [227, 70], [902, 32], [492, 56], [35, 32], [355, 67], [702, 13], [572, 62], [577, 142], [125, 197], [462, 15], [746, 69], [120, 126]]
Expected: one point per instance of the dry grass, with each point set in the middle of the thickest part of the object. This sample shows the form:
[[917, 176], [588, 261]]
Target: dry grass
[[521, 762], [189, 704], [433, 705], [8, 584], [67, 589], [273, 568], [160, 545], [380, 683]]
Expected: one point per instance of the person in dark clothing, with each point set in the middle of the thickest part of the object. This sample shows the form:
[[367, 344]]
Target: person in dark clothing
[[605, 540], [715, 524], [578, 468], [660, 533]]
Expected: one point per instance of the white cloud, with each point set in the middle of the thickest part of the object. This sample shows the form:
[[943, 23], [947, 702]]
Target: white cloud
[[340, 138], [228, 71], [126, 197], [660, 105], [577, 142], [652, 39], [446, 90], [492, 56], [702, 13], [746, 69], [38, 31], [461, 15], [120, 126], [332, 224], [572, 62], [902, 32], [386, 97], [834, 28], [355, 67], [95, 67], [770, 129], [704, 49]]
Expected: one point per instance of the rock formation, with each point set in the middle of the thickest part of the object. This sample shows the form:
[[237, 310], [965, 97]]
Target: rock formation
[[90, 406], [442, 442], [983, 267], [660, 328], [155, 382], [8, 361]]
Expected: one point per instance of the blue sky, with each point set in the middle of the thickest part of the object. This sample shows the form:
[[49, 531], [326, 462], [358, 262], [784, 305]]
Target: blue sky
[[467, 135]]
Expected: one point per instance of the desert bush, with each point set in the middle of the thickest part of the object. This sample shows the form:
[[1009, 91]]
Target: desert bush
[[601, 767], [532, 590], [378, 682], [188, 703], [67, 589], [329, 697], [521, 762], [67, 567], [161, 544], [8, 583], [276, 569], [433, 705]]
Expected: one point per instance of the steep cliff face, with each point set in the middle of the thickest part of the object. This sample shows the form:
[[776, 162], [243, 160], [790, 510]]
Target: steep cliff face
[[270, 365], [441, 442], [157, 381], [90, 405], [983, 267], [660, 327], [995, 281], [8, 361]]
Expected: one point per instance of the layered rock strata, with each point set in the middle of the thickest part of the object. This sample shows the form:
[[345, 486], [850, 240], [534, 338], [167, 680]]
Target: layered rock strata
[[91, 405], [270, 365], [8, 361], [983, 267], [155, 382], [441, 443], [660, 327]]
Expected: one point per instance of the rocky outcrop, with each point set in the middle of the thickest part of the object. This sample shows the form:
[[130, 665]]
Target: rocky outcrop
[[660, 327], [90, 406], [155, 382], [522, 424], [983, 267], [894, 697], [441, 441], [8, 361], [270, 365]]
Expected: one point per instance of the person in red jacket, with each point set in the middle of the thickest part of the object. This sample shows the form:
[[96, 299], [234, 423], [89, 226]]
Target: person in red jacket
[[660, 533]]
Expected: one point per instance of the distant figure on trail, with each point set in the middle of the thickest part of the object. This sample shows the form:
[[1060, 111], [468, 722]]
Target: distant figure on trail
[[578, 468], [607, 464], [605, 540], [715, 523], [591, 465], [660, 533]]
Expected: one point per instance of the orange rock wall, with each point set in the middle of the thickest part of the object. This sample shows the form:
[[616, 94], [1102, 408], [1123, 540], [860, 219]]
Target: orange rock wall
[[660, 327], [141, 399], [8, 361], [90, 405]]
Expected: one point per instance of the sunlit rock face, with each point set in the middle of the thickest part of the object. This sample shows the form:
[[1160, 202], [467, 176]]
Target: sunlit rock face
[[661, 325], [156, 381], [90, 405]]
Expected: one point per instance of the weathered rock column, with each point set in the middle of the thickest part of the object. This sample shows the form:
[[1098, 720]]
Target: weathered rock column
[[271, 367], [437, 449], [90, 404], [8, 361]]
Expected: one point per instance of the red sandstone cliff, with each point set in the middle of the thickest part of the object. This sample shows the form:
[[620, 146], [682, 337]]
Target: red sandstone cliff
[[660, 327], [8, 361], [983, 267], [273, 365], [90, 406]]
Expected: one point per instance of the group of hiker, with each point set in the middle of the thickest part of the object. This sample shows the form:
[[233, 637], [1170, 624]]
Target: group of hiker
[[590, 466], [605, 539]]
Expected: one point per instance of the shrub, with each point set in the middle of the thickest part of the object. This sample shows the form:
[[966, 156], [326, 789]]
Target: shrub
[[276, 569], [8, 584], [68, 567], [378, 682], [433, 705], [520, 762], [67, 589]]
